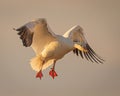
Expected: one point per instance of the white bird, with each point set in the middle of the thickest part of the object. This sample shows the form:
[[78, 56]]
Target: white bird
[[50, 47]]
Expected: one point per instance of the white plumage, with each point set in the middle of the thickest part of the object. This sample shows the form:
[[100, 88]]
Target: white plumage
[[50, 47]]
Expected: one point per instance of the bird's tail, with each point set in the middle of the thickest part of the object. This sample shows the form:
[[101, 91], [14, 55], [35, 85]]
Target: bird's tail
[[37, 64]]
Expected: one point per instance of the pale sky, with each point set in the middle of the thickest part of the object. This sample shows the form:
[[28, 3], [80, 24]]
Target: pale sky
[[100, 20]]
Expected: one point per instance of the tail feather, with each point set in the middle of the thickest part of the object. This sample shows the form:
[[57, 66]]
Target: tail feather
[[37, 63]]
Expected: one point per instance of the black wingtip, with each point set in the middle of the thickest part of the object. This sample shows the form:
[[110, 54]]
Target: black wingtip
[[94, 56], [80, 52], [18, 29], [75, 51], [25, 35]]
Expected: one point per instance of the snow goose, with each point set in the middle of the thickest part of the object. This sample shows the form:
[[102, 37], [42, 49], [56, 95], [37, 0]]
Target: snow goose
[[50, 47]]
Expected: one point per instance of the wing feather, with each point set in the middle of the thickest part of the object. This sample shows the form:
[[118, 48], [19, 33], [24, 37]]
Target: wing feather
[[85, 54], [80, 52], [25, 35], [77, 36], [36, 34]]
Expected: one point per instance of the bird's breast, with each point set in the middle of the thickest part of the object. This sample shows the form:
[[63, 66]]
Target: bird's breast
[[63, 47], [56, 50]]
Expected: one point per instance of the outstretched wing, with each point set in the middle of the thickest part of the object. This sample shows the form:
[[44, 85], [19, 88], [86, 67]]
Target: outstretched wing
[[36, 34], [77, 36]]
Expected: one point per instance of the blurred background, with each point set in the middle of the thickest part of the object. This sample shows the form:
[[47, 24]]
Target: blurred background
[[100, 20]]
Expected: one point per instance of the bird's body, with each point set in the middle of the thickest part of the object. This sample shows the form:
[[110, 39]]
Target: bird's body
[[50, 47], [53, 50], [59, 47]]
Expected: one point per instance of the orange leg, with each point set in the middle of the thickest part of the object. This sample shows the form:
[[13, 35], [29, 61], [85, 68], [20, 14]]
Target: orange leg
[[39, 74], [52, 72]]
